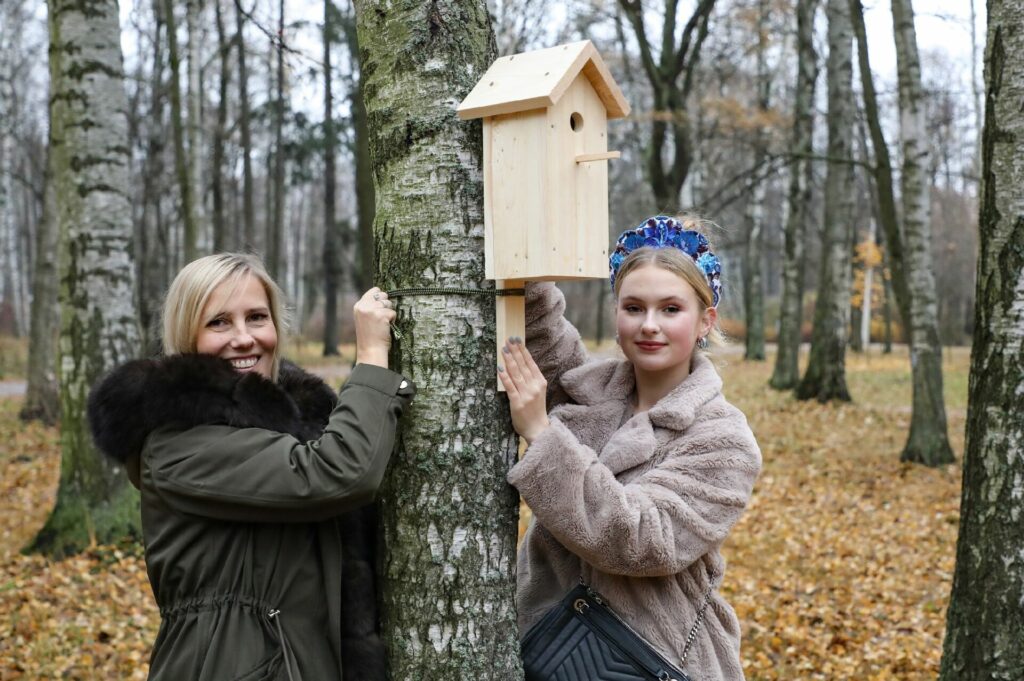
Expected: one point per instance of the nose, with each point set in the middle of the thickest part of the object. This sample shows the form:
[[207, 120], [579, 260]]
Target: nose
[[240, 338], [650, 325]]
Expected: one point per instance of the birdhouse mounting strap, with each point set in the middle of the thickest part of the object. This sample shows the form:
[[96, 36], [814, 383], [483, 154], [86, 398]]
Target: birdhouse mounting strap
[[446, 291]]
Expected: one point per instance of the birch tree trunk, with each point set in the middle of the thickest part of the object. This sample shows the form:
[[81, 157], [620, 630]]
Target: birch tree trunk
[[449, 517], [928, 442], [865, 306], [786, 374], [99, 324], [825, 378], [985, 617]]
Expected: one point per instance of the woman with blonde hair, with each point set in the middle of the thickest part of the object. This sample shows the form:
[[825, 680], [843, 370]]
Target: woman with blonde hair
[[635, 476], [253, 474]]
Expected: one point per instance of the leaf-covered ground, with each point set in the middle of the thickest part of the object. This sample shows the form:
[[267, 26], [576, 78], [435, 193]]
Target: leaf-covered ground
[[840, 569]]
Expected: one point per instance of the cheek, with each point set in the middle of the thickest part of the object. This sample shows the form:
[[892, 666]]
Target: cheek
[[268, 338], [207, 343]]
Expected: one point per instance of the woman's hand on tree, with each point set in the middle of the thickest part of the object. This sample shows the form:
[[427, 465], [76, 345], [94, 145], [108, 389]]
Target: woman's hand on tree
[[526, 388], [373, 314]]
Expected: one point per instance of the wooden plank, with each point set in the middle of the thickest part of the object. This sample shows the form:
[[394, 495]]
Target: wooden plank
[[518, 190], [509, 317], [601, 156]]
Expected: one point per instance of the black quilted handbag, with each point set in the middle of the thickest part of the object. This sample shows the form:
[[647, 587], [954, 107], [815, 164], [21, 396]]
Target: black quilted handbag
[[582, 639]]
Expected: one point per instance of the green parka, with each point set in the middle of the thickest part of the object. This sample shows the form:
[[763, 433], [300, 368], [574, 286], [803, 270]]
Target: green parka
[[240, 508]]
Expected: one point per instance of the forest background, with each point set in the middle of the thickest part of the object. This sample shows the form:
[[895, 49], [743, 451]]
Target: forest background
[[228, 147]]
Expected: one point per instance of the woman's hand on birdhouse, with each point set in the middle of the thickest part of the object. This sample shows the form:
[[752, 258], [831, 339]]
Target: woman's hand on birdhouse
[[526, 389]]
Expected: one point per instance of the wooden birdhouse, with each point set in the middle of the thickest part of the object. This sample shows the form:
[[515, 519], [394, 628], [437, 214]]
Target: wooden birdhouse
[[545, 157]]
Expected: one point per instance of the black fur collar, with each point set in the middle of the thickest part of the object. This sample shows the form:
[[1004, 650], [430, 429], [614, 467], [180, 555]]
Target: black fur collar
[[183, 391]]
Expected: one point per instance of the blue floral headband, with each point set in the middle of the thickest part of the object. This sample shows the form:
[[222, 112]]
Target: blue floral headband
[[661, 232]]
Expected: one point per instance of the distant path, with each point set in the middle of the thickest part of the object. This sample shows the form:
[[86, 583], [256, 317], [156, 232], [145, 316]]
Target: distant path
[[12, 389]]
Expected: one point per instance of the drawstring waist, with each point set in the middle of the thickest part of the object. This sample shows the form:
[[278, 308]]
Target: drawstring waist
[[205, 604], [285, 648]]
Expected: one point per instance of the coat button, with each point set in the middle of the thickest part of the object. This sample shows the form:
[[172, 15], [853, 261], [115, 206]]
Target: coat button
[[403, 385]]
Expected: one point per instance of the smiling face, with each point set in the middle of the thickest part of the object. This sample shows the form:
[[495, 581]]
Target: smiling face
[[236, 324], [659, 319]]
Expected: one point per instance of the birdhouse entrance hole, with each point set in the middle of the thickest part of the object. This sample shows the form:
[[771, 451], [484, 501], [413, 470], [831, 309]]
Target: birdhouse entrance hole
[[576, 121]]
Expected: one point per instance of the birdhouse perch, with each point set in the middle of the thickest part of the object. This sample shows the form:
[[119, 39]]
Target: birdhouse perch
[[545, 153]]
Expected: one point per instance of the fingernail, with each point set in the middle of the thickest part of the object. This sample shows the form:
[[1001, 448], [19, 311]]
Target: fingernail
[[517, 340], [506, 350], [501, 369]]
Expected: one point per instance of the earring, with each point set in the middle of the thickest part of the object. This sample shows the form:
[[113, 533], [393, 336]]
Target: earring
[[702, 343]]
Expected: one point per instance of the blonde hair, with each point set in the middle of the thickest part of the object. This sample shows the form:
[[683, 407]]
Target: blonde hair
[[682, 265], [191, 290]]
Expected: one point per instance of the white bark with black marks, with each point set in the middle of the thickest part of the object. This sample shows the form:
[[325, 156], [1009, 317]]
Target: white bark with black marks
[[825, 378], [99, 324], [986, 609], [928, 442], [449, 517]]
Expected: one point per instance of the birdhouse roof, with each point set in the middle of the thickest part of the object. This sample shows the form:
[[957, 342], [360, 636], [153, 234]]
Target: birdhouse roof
[[535, 80]]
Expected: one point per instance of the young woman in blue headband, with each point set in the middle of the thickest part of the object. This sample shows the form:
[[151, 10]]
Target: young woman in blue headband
[[636, 469]]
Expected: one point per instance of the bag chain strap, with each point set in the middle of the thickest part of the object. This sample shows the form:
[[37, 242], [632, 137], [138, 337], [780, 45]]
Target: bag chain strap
[[692, 636]]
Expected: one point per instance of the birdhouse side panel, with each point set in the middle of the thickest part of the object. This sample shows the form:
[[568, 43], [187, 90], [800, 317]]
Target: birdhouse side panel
[[515, 192], [578, 209]]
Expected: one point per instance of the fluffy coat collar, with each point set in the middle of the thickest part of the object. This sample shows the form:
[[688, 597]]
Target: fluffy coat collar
[[183, 391], [601, 393]]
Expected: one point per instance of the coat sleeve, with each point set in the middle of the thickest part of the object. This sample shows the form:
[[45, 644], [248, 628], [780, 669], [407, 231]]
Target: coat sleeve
[[655, 525], [252, 474], [553, 342]]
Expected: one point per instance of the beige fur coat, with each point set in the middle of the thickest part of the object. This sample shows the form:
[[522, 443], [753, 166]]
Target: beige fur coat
[[638, 505]]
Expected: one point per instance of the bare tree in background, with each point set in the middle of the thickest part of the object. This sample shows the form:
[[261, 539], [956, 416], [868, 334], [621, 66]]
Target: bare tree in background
[[671, 77], [825, 378], [786, 374]]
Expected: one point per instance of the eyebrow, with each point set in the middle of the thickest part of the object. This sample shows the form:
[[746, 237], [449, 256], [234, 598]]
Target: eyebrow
[[662, 300], [262, 308]]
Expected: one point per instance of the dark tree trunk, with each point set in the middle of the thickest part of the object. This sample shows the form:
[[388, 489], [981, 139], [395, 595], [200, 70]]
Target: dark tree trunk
[[365, 197], [275, 221], [42, 401], [181, 162], [249, 241], [671, 78], [331, 263], [223, 233], [786, 374], [449, 517], [985, 617]]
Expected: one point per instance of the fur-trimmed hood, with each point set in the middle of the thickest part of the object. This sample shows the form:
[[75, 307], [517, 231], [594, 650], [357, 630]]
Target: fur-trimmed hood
[[183, 391]]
